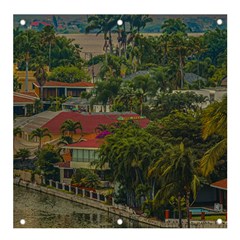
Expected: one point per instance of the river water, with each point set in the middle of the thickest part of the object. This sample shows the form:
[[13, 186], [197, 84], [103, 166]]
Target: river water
[[40, 210]]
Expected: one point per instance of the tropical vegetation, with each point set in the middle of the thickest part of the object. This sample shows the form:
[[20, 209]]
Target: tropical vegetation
[[185, 144]]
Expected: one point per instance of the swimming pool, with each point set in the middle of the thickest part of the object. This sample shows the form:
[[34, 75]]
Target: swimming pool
[[199, 210]]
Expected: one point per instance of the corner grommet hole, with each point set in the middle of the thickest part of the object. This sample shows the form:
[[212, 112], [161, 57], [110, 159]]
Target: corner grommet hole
[[22, 221], [119, 221], [22, 22], [120, 22], [219, 221], [219, 21]]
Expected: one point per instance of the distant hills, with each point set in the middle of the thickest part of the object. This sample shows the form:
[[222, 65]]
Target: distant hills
[[77, 23]]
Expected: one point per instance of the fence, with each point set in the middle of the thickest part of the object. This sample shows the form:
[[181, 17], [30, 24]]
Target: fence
[[77, 191], [88, 194]]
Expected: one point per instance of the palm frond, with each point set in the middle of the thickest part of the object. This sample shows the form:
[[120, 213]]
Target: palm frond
[[210, 158]]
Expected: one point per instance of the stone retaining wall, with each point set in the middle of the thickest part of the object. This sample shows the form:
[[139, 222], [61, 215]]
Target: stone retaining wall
[[171, 223]]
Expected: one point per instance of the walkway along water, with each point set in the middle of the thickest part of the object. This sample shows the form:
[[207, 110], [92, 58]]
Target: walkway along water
[[119, 210]]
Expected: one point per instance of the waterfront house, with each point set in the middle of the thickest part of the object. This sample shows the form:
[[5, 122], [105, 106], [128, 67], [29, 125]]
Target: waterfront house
[[221, 193], [82, 154], [213, 195]]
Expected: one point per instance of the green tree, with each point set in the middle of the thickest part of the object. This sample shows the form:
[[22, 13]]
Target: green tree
[[16, 84], [165, 103], [65, 53], [69, 74], [214, 123], [173, 26], [216, 44], [17, 132], [179, 127], [40, 133], [23, 154], [26, 44], [38, 106], [180, 50], [106, 91], [177, 169], [125, 98], [86, 178], [103, 24], [46, 158], [48, 37], [129, 152]]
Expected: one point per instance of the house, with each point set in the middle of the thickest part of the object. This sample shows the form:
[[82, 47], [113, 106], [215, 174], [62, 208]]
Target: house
[[212, 94], [21, 77], [221, 193], [213, 195], [84, 105], [82, 155], [63, 89], [22, 101], [89, 121]]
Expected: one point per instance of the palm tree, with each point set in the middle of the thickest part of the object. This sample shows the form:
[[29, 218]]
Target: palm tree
[[139, 22], [17, 132], [126, 96], [65, 140], [172, 26], [140, 95], [101, 127], [214, 122], [40, 133], [48, 37], [180, 45], [38, 106], [41, 77], [23, 154], [26, 42], [70, 127], [103, 24], [177, 169]]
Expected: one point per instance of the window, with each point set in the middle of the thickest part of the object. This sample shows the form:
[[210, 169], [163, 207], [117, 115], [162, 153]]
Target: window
[[91, 154], [96, 155], [85, 155], [80, 155], [75, 155]]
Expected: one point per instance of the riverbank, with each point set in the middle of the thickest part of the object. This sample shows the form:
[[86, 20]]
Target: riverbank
[[170, 223]]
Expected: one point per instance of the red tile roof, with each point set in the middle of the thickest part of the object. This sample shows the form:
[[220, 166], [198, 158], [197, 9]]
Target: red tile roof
[[18, 99], [92, 143], [24, 97], [63, 84], [89, 122], [222, 184], [32, 94]]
